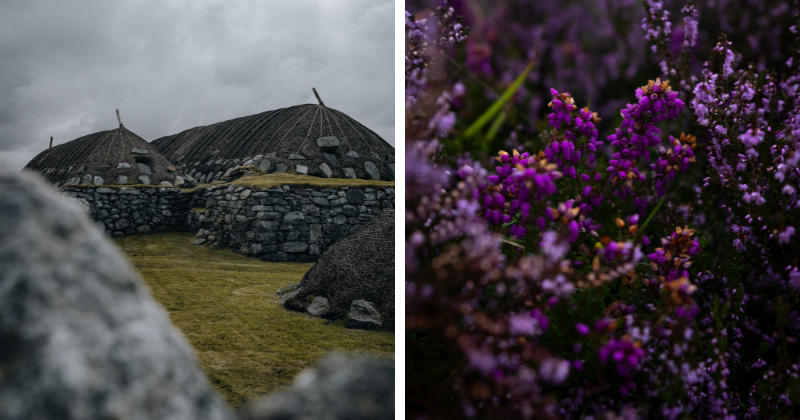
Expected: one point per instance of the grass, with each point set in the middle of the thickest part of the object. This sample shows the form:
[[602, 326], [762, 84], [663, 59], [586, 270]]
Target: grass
[[279, 179], [225, 304]]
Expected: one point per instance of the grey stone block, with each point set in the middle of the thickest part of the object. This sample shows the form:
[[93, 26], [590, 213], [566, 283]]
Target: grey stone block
[[143, 168], [281, 168], [293, 216], [302, 169], [264, 165], [138, 151], [295, 156], [364, 316], [144, 179], [349, 173], [319, 307], [372, 170], [326, 170], [352, 154], [294, 247], [123, 165], [330, 141]]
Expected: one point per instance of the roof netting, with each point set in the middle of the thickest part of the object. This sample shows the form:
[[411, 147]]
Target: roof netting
[[285, 131]]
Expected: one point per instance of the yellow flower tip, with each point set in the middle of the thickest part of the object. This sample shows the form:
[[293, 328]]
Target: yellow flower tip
[[516, 153]]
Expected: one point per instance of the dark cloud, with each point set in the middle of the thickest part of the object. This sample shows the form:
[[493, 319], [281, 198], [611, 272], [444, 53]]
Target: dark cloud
[[171, 65]]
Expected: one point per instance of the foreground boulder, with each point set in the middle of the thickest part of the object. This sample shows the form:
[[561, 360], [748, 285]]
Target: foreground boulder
[[339, 388], [360, 266], [80, 337]]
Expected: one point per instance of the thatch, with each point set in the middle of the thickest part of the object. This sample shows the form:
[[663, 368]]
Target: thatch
[[277, 135], [360, 266], [108, 155]]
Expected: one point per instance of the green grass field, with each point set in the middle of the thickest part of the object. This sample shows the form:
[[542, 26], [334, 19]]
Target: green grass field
[[225, 304]]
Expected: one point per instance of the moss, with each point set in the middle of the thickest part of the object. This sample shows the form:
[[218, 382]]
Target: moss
[[225, 304], [200, 209], [277, 180]]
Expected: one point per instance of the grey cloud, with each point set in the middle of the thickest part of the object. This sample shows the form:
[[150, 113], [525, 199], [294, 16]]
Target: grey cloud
[[169, 66]]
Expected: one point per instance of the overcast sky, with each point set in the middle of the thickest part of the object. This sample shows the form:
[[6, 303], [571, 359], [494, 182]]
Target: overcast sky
[[172, 65]]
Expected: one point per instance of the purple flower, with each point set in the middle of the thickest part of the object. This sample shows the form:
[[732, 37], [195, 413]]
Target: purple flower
[[582, 329]]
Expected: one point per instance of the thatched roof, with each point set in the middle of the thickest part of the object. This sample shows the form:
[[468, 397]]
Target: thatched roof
[[307, 135], [113, 156]]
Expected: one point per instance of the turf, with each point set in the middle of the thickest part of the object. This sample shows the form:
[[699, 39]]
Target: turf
[[225, 304]]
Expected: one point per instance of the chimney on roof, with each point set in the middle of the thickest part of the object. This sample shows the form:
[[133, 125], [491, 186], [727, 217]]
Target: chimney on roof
[[119, 119], [317, 95], [51, 142]]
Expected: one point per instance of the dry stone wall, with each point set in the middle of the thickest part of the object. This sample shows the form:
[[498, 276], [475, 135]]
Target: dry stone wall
[[283, 224], [132, 210], [273, 224]]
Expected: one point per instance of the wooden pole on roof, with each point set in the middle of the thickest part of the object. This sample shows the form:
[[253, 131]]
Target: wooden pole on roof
[[119, 119], [51, 142], [317, 95]]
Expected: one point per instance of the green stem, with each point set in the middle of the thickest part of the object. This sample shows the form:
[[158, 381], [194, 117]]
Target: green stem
[[653, 213]]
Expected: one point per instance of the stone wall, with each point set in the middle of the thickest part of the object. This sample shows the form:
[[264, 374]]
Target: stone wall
[[282, 224], [279, 224], [131, 210]]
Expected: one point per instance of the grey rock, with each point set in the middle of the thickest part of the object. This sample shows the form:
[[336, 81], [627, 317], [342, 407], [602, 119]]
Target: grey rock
[[319, 307], [166, 183], [138, 151], [363, 316], [123, 165], [302, 169], [143, 229], [104, 190], [339, 388], [129, 190], [199, 241], [144, 168], [144, 179], [372, 170], [73, 181], [289, 300], [87, 179], [293, 216], [353, 154], [340, 219], [313, 249], [294, 247], [82, 337], [319, 201], [355, 196], [281, 168], [245, 194], [330, 141], [349, 173], [264, 165], [326, 170], [288, 289], [295, 156], [121, 224], [81, 170], [122, 180], [269, 215], [179, 181], [331, 158], [315, 233]]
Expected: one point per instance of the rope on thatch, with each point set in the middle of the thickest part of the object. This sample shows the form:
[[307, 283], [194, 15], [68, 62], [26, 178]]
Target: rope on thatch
[[317, 95], [290, 130], [310, 126], [342, 131]]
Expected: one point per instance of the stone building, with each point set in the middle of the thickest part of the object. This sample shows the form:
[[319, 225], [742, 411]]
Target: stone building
[[308, 139], [108, 157]]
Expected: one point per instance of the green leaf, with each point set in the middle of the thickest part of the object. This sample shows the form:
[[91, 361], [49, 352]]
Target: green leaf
[[487, 116], [496, 124]]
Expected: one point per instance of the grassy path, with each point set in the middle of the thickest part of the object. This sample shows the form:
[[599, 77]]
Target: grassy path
[[227, 308]]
